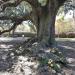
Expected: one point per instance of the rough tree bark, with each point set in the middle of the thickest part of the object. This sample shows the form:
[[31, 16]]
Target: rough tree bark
[[47, 27]]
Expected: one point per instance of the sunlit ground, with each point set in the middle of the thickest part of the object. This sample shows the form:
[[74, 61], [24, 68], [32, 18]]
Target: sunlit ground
[[11, 40]]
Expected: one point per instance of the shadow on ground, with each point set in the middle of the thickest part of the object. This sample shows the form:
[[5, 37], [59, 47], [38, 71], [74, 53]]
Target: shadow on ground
[[68, 49]]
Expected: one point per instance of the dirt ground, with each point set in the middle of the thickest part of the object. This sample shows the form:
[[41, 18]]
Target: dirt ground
[[67, 46]]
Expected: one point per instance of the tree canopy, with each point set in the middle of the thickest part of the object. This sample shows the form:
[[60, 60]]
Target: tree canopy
[[42, 13], [16, 11]]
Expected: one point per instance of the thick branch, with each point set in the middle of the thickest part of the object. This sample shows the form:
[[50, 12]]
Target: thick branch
[[26, 17], [13, 27]]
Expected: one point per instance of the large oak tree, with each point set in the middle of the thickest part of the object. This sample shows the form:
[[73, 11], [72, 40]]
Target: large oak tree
[[42, 14]]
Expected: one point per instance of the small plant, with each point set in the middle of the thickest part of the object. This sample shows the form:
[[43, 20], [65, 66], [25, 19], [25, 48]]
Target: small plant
[[56, 64]]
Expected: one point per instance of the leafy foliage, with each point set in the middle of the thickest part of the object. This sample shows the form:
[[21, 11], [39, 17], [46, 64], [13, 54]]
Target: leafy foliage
[[19, 11]]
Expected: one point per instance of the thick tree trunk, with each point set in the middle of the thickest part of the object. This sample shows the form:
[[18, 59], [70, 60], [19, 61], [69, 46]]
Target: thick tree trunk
[[47, 27]]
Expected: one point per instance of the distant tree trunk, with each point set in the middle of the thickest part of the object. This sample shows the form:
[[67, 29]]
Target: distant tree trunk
[[74, 19], [13, 32]]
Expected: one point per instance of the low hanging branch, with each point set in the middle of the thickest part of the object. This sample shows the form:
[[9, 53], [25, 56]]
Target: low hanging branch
[[16, 20], [8, 30]]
